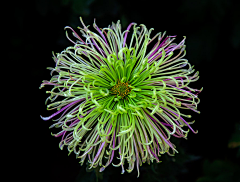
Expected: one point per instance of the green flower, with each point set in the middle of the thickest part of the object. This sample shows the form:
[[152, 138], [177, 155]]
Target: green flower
[[120, 98]]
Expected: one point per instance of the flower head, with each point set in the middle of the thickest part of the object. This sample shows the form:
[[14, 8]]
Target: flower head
[[119, 98]]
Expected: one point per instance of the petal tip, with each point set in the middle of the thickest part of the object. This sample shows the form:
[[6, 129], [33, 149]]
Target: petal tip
[[44, 118]]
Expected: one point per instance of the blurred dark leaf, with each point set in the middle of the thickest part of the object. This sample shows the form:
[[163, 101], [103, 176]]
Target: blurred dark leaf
[[238, 153], [204, 9], [81, 7], [194, 9], [204, 39], [235, 138], [65, 2], [86, 175], [124, 22], [42, 6], [219, 171], [235, 35], [204, 179]]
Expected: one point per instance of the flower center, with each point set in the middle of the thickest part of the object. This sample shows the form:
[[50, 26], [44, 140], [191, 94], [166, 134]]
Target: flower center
[[121, 89]]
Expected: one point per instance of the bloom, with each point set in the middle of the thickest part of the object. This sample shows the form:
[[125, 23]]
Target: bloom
[[120, 98]]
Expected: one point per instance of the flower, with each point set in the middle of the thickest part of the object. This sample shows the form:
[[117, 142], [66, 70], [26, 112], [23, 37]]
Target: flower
[[120, 98]]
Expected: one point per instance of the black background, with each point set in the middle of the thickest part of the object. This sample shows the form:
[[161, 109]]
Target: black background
[[212, 28]]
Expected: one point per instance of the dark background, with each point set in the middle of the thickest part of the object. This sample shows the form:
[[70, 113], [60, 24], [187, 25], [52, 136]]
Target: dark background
[[212, 28]]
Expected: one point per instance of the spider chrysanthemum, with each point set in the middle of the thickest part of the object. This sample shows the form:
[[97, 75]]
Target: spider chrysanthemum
[[121, 98]]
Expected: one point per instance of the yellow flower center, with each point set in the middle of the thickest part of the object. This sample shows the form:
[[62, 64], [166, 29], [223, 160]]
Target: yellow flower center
[[121, 89]]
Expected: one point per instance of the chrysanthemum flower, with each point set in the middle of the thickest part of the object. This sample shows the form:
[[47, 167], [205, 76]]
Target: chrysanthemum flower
[[121, 98]]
